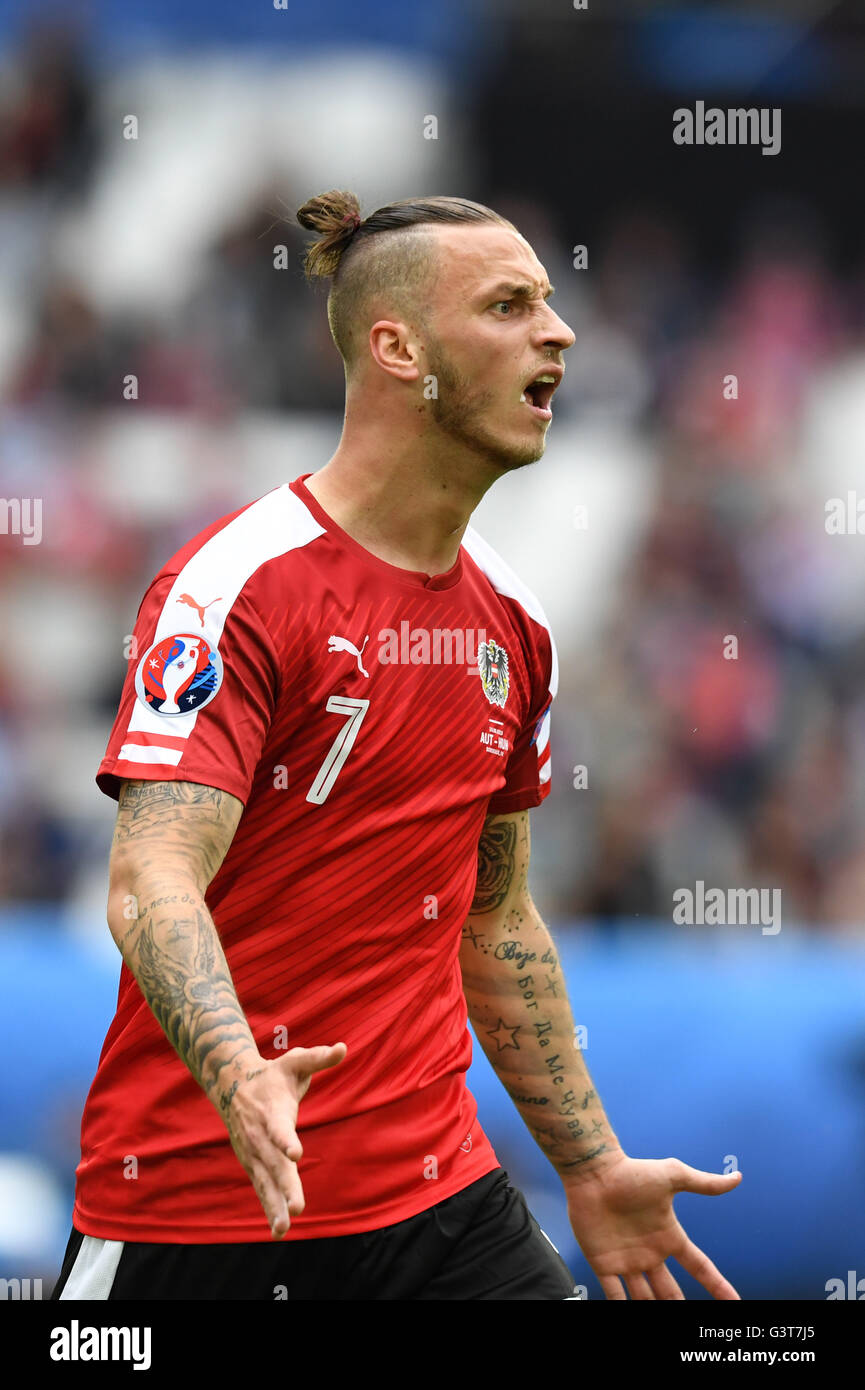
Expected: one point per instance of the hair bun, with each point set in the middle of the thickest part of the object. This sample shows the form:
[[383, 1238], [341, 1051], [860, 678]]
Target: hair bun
[[335, 216]]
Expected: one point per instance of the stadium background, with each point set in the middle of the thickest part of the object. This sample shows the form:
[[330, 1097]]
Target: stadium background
[[662, 518]]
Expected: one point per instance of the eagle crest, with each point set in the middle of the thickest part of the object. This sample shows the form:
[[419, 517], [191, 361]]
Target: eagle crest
[[493, 666]]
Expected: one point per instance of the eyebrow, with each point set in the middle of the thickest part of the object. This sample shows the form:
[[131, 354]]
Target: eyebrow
[[522, 291]]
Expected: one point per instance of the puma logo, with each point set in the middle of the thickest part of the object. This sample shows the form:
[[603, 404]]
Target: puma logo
[[342, 644], [199, 607]]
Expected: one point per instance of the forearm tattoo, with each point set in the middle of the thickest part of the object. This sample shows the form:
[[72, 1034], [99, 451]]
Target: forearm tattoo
[[169, 841], [192, 997]]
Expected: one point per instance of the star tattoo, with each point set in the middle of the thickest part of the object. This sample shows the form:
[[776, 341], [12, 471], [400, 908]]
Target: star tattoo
[[499, 1031]]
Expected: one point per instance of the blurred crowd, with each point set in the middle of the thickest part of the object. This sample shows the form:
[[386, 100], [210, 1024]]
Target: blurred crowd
[[722, 709], [740, 766]]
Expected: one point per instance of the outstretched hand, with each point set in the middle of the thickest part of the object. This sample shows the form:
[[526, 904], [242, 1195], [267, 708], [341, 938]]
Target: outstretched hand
[[622, 1216], [261, 1124]]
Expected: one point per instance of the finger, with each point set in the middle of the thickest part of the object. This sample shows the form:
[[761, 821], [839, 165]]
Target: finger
[[271, 1198], [612, 1287], [292, 1188], [687, 1179], [285, 1140], [638, 1288], [663, 1284], [700, 1267], [286, 1178]]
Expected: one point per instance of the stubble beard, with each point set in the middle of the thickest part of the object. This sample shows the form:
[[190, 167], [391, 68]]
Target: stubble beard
[[459, 410]]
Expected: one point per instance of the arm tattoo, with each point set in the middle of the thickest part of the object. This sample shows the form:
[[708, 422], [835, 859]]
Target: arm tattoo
[[505, 1035], [170, 839], [517, 1002], [495, 865], [194, 816], [144, 801], [192, 997]]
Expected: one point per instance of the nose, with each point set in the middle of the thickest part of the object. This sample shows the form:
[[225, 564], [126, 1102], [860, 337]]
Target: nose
[[556, 332]]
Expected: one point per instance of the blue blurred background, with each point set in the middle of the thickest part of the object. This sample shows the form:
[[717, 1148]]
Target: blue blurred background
[[662, 518]]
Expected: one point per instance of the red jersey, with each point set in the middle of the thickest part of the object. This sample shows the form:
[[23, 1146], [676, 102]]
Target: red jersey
[[369, 718]]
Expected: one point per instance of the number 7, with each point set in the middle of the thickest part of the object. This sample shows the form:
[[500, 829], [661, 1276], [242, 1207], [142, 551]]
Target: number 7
[[341, 746]]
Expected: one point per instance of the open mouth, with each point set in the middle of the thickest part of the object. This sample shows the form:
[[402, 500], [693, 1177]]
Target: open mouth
[[538, 394]]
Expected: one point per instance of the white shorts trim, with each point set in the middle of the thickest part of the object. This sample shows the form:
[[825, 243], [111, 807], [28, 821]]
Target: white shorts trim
[[94, 1269]]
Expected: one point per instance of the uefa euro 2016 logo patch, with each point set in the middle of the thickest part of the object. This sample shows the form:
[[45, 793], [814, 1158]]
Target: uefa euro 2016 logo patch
[[178, 674], [493, 664]]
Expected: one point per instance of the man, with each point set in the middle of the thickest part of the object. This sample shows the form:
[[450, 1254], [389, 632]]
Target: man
[[324, 758]]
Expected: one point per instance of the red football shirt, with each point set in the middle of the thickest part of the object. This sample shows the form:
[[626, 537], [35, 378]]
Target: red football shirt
[[369, 718]]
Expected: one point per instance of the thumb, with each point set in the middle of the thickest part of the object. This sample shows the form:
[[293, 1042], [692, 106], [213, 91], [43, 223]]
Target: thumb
[[688, 1179], [312, 1059]]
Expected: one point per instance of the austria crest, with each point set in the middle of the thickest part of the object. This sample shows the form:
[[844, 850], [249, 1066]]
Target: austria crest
[[493, 665], [178, 674]]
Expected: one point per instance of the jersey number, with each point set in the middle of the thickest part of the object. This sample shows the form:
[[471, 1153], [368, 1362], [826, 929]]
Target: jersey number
[[341, 746]]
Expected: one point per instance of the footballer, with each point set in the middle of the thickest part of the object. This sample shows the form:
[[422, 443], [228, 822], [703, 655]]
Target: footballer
[[327, 746]]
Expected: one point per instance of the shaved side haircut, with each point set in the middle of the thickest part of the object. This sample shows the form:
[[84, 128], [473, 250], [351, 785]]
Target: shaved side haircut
[[387, 259]]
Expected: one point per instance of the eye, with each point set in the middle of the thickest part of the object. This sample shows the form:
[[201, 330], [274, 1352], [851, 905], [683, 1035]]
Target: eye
[[507, 303]]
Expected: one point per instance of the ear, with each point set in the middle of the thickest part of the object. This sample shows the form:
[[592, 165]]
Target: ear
[[392, 349]]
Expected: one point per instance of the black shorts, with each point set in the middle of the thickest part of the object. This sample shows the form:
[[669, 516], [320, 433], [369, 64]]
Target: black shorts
[[482, 1242]]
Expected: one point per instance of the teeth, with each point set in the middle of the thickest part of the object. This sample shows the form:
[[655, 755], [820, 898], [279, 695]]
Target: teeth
[[523, 398], [545, 378]]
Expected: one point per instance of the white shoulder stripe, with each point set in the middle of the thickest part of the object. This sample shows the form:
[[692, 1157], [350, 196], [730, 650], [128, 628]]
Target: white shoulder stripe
[[138, 753], [215, 575], [543, 734], [506, 582]]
